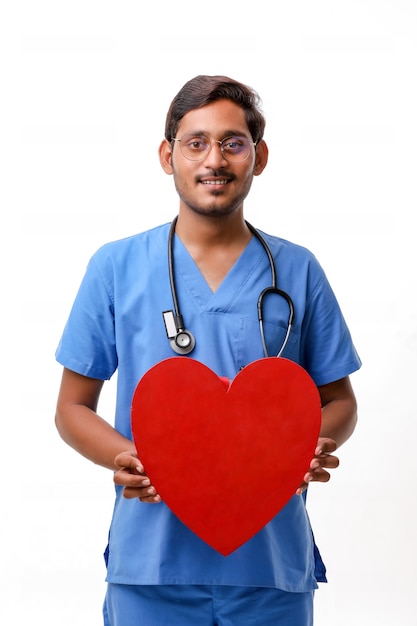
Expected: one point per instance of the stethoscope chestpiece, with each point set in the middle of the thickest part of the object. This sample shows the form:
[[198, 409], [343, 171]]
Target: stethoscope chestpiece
[[182, 341]]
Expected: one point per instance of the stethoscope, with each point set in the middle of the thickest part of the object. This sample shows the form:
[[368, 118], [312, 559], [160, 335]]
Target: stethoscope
[[182, 341]]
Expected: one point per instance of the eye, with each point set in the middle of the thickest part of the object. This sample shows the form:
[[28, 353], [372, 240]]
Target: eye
[[195, 143], [234, 145]]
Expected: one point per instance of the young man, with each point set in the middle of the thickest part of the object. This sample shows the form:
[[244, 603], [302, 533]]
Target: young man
[[159, 572]]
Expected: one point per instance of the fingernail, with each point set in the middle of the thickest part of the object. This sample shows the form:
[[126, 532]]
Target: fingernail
[[146, 482]]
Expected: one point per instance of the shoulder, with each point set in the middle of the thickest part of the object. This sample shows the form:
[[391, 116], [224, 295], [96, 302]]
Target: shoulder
[[298, 270], [145, 243], [285, 246], [294, 257]]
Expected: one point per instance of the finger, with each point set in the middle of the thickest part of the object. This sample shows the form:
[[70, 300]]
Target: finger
[[125, 478], [144, 495], [319, 475], [325, 445], [325, 460], [128, 461], [156, 499], [301, 489]]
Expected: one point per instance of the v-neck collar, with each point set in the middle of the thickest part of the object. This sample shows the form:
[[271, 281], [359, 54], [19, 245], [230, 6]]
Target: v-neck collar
[[188, 276]]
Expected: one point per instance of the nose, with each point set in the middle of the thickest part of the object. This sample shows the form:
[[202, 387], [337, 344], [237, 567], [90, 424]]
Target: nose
[[215, 155]]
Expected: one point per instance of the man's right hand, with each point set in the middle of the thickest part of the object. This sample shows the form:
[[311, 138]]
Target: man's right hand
[[131, 476]]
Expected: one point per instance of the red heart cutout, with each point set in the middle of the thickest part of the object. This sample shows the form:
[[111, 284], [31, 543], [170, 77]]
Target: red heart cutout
[[224, 459]]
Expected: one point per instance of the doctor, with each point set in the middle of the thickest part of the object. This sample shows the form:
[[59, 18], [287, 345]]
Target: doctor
[[158, 572]]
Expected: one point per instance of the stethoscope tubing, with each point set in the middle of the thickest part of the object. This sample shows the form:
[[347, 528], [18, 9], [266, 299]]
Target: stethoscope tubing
[[177, 313], [179, 322]]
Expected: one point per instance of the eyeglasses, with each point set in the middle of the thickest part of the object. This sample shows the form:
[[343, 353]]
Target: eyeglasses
[[235, 149]]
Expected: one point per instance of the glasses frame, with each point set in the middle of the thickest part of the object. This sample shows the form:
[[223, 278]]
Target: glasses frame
[[212, 141]]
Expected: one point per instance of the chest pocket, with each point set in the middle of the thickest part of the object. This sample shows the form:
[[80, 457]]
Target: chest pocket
[[250, 347]]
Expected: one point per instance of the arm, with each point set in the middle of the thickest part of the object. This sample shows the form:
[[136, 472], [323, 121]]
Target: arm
[[339, 408], [84, 430], [339, 417]]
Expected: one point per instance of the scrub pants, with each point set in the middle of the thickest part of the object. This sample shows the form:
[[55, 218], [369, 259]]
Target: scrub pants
[[205, 605]]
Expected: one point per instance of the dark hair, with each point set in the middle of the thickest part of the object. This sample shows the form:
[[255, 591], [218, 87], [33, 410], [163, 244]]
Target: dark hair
[[203, 90]]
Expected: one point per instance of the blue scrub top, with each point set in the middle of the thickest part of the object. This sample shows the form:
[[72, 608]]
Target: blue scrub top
[[116, 323]]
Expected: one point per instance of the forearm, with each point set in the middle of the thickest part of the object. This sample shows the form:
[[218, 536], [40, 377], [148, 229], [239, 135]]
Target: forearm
[[339, 411], [339, 416], [338, 422], [90, 435]]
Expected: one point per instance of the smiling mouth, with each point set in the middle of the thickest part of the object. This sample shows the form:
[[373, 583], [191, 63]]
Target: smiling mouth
[[215, 182]]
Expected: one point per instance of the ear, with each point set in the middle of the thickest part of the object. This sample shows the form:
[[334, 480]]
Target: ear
[[261, 158], [165, 156]]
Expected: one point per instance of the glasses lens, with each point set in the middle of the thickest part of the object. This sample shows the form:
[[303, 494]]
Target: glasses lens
[[194, 147], [236, 148]]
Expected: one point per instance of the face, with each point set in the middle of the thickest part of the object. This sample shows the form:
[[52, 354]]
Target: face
[[213, 186]]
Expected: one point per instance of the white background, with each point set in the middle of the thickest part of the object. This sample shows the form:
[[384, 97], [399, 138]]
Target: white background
[[85, 88]]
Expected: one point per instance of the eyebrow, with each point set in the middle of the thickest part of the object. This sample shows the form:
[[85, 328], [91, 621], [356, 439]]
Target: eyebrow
[[227, 133]]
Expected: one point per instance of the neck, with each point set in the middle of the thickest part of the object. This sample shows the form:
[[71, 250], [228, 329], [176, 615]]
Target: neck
[[215, 244], [209, 232]]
